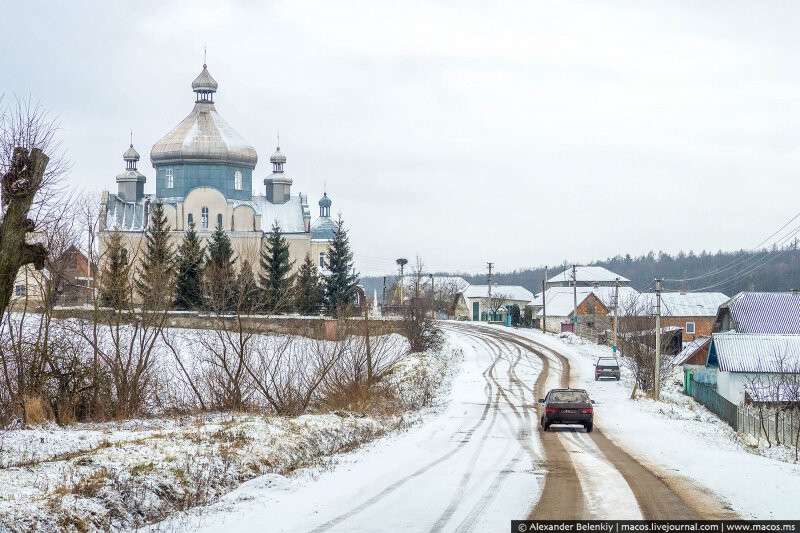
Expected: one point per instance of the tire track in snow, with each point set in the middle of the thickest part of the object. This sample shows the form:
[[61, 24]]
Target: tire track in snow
[[422, 470]]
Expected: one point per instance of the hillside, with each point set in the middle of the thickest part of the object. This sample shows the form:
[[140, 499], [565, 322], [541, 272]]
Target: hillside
[[728, 272]]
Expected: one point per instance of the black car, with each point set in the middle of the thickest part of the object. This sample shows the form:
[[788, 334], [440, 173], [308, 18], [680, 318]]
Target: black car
[[567, 406], [606, 367]]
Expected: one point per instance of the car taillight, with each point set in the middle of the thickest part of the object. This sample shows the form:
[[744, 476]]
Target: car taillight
[[551, 410], [586, 410]]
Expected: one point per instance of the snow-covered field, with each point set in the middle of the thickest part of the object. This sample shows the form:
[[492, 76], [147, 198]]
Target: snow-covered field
[[128, 474], [681, 437]]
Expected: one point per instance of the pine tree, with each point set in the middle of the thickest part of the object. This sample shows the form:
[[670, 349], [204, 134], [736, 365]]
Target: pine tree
[[275, 265], [341, 280], [248, 297], [307, 288], [155, 278], [219, 274], [189, 272], [114, 282]]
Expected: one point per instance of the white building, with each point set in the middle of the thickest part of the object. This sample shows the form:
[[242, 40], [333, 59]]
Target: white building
[[753, 364], [475, 303]]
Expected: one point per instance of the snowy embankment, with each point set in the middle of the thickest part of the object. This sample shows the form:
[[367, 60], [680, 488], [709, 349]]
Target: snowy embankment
[[682, 438], [127, 474]]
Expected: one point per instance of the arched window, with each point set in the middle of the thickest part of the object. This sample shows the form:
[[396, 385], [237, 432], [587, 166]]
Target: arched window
[[190, 219], [170, 179], [204, 218], [322, 259], [219, 219], [237, 180]]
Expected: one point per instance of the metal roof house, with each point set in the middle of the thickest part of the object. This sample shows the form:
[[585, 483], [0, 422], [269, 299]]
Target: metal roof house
[[587, 276], [760, 312], [748, 366]]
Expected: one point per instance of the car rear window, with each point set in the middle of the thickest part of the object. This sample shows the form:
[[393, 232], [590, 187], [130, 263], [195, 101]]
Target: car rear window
[[569, 396], [607, 362]]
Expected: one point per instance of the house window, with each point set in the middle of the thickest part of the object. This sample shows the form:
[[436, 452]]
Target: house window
[[322, 259], [204, 218], [237, 180], [170, 179], [219, 220], [690, 328], [20, 290], [191, 219]]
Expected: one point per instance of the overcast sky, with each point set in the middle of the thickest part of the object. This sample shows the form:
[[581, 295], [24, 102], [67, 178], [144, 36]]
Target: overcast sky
[[515, 132]]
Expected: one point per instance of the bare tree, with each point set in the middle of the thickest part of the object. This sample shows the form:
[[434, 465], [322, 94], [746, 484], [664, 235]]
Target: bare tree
[[496, 301]]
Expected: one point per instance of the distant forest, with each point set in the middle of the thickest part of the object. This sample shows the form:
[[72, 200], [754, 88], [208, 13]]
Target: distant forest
[[776, 269]]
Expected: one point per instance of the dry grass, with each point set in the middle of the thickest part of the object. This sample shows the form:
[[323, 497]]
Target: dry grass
[[35, 410]]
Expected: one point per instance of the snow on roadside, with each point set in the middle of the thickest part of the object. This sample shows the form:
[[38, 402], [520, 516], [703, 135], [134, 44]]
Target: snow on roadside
[[128, 474], [681, 436]]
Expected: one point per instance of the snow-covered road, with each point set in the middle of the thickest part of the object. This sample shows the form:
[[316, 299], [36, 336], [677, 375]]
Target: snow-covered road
[[473, 466]]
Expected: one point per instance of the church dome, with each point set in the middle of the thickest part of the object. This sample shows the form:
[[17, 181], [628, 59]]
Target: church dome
[[277, 156], [204, 82], [204, 136], [131, 154], [325, 201]]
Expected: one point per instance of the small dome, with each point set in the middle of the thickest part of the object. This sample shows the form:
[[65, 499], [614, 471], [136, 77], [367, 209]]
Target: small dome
[[130, 154], [323, 229], [325, 201], [204, 82], [277, 156]]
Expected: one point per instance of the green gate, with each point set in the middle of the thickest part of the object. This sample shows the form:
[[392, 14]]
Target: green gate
[[476, 315]]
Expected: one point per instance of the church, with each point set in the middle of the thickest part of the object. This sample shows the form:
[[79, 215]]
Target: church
[[204, 175]]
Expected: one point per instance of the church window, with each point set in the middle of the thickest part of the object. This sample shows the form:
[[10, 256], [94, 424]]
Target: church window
[[237, 180], [170, 179], [20, 290], [191, 219], [219, 219], [204, 218], [322, 259]]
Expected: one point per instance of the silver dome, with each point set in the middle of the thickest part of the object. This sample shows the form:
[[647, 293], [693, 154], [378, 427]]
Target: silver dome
[[277, 156], [131, 154], [204, 136], [204, 82]]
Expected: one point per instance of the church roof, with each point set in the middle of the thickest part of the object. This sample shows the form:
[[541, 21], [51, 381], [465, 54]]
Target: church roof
[[131, 154], [125, 216], [324, 228], [204, 136]]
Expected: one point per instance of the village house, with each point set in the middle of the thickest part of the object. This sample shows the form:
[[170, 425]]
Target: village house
[[475, 303], [587, 276], [694, 312], [754, 367]]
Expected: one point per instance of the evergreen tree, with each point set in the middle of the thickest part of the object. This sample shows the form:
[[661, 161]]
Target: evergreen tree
[[307, 288], [275, 266], [114, 282], [341, 280], [219, 274], [189, 272], [155, 278], [247, 292]]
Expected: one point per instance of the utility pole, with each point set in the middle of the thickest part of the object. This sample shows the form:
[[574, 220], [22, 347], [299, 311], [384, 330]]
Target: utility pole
[[489, 287], [574, 300], [544, 301], [383, 294], [657, 375], [616, 316], [433, 299]]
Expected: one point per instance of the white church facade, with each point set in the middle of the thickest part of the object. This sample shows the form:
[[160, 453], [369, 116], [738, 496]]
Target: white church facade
[[204, 175]]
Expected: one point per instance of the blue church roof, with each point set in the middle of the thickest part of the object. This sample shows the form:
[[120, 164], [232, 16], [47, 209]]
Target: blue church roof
[[323, 228]]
